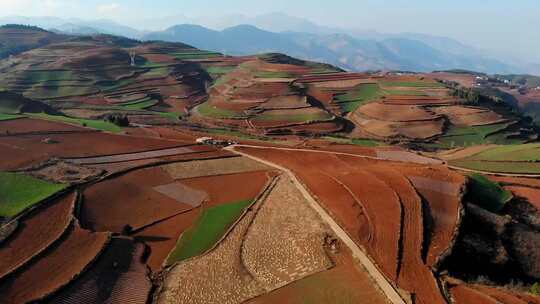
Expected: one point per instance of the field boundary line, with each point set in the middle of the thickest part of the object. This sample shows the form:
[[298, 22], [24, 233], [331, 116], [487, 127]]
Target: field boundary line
[[335, 153], [456, 168], [387, 288]]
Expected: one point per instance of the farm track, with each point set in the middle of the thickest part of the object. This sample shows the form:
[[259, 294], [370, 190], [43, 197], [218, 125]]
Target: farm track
[[379, 278]]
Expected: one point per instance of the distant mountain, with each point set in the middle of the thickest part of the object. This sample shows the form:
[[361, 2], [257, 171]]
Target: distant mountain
[[76, 26], [342, 50]]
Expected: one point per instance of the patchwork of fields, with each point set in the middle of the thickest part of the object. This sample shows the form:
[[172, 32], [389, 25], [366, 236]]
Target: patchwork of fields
[[335, 187]]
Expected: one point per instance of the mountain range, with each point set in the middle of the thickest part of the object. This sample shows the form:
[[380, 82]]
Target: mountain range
[[353, 50]]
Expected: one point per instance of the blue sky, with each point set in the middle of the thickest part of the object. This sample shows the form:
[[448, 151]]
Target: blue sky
[[509, 26]]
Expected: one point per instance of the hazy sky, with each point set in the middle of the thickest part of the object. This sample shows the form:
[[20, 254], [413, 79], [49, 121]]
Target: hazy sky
[[510, 26]]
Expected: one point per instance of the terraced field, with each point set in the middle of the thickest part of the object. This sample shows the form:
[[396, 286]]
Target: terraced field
[[18, 192], [518, 159], [388, 213]]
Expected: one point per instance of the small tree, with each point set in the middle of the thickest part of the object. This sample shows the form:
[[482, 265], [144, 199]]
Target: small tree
[[535, 289]]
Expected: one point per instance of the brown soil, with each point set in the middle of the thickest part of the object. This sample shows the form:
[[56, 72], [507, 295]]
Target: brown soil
[[128, 200], [35, 233], [223, 189], [396, 113], [162, 237], [27, 125], [26, 150], [118, 276], [530, 194], [56, 268]]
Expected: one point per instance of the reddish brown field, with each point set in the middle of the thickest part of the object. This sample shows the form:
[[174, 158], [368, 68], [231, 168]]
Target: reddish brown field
[[517, 181], [344, 283], [223, 189], [396, 113], [532, 195], [382, 210], [463, 294], [27, 125], [162, 237], [127, 282], [25, 150], [129, 200], [36, 232], [463, 79], [55, 269], [506, 296]]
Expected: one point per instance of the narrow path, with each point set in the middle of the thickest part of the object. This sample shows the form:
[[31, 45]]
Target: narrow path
[[494, 173], [390, 292]]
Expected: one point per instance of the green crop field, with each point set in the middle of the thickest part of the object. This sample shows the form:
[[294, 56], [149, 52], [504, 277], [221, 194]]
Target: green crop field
[[499, 167], [9, 116], [487, 194], [208, 110], [219, 70], [517, 159], [356, 141], [412, 84], [404, 92], [472, 136], [140, 104], [207, 231], [514, 153], [42, 92], [350, 101], [19, 192], [320, 116], [52, 75], [195, 55], [94, 124]]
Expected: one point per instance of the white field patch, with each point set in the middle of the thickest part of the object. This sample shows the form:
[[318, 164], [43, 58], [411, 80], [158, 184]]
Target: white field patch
[[130, 156], [430, 184], [183, 194], [222, 166]]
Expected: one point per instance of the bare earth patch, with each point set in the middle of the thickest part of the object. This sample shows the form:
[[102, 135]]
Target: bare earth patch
[[270, 247]]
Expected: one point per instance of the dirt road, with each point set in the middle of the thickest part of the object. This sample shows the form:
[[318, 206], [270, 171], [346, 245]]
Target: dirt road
[[358, 253]]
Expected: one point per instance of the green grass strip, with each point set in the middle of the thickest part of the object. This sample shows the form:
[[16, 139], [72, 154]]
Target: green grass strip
[[357, 141], [208, 110], [90, 123], [488, 194], [207, 231], [19, 192], [365, 93], [9, 116]]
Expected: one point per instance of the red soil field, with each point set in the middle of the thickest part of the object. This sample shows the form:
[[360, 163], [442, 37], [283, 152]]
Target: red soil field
[[530, 194], [441, 189], [517, 181], [463, 79], [223, 189], [126, 282], [463, 294], [129, 200], [381, 209], [56, 268], [395, 113], [507, 297], [118, 158], [25, 150], [413, 276], [324, 145], [129, 165], [163, 236], [35, 233], [27, 125]]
